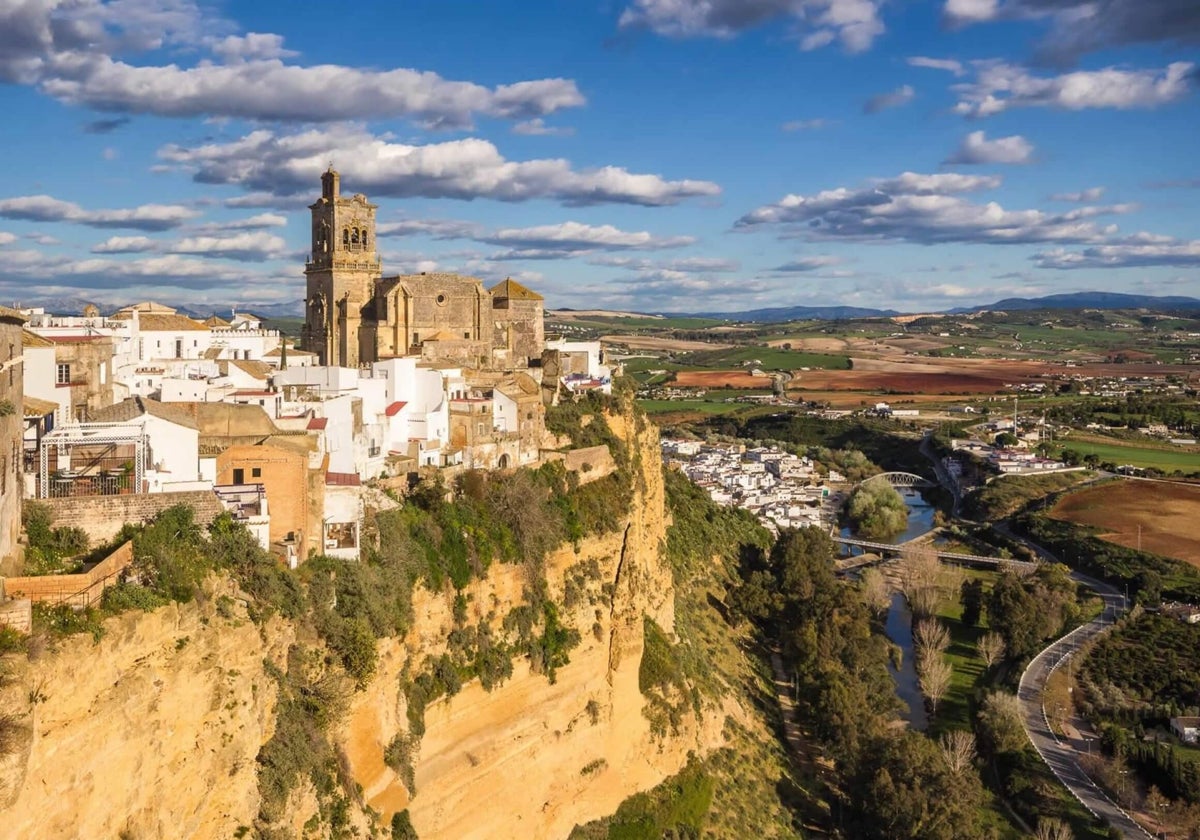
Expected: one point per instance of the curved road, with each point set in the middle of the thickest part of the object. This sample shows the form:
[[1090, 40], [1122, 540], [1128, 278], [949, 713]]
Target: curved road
[[1062, 757]]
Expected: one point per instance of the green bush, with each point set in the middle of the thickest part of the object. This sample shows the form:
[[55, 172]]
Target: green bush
[[11, 641]]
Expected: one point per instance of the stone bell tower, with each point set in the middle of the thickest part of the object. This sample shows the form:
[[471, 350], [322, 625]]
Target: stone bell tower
[[341, 274]]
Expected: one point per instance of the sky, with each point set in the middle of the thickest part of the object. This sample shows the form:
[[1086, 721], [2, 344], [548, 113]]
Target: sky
[[637, 155]]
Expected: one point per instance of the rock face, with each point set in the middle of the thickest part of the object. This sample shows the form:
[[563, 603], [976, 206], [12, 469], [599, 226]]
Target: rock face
[[153, 731]]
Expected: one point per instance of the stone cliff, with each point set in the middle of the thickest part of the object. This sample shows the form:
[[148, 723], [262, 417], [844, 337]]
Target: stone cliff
[[154, 730]]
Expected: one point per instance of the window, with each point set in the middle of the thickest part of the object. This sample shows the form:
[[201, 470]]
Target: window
[[416, 338], [466, 335], [239, 476], [179, 348], [256, 472], [63, 374]]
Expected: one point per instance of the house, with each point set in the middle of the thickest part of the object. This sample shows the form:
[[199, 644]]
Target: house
[[12, 422], [1186, 729]]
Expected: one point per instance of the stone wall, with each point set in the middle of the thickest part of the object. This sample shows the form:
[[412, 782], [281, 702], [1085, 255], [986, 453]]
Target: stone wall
[[17, 614], [591, 462], [102, 516], [82, 590]]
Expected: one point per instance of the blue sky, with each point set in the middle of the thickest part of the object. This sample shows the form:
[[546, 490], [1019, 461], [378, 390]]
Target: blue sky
[[649, 155]]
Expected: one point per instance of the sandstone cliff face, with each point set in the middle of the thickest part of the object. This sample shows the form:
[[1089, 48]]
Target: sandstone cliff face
[[532, 758], [153, 731]]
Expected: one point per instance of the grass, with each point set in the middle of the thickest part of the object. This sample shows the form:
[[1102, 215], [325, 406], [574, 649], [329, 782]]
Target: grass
[[954, 712], [768, 358], [1167, 460], [701, 406]]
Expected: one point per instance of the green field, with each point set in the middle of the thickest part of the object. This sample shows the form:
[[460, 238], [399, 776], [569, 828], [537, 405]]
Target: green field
[[1167, 460], [668, 406], [768, 358]]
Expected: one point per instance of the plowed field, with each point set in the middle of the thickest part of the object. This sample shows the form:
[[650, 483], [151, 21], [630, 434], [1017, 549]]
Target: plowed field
[[1168, 513]]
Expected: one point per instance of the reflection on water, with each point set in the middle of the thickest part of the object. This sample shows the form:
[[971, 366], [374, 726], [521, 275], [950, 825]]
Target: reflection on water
[[899, 630], [920, 519]]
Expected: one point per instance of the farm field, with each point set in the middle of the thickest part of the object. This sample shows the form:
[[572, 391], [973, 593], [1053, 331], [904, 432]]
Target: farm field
[[689, 406], [1167, 513], [1167, 460]]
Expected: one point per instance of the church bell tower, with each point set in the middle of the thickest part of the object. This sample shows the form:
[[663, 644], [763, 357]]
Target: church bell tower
[[341, 274]]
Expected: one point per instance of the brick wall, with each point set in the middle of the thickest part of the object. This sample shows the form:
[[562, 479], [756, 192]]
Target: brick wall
[[17, 614], [102, 516], [80, 590]]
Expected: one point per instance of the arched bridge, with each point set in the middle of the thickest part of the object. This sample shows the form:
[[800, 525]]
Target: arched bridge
[[903, 479]]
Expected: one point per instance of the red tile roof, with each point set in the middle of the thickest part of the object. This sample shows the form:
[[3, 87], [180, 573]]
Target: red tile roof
[[394, 409], [343, 479], [318, 424]]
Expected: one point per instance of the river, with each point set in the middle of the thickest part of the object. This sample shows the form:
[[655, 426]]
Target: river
[[899, 619]]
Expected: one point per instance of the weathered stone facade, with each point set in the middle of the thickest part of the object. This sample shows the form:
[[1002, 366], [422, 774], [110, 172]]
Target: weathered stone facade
[[355, 316], [12, 389]]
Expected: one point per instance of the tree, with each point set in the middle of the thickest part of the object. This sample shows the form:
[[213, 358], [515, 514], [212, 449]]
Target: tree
[[876, 510], [1052, 829], [971, 598], [933, 673], [919, 575], [991, 648], [1000, 723], [930, 638], [875, 591], [958, 746], [1007, 439]]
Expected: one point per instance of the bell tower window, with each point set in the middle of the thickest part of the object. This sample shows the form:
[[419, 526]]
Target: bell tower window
[[346, 237]]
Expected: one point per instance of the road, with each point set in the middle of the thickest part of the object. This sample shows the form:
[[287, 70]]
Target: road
[[1063, 757]]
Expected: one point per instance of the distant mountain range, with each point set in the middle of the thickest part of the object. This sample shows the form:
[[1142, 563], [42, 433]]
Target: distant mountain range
[[1074, 300], [1088, 300]]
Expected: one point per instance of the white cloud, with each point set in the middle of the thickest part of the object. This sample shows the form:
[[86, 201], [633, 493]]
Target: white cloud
[[7, 238], [470, 168], [950, 65], [999, 86], [806, 125], [44, 208], [1082, 26], [257, 222], [68, 49], [892, 99], [254, 246], [574, 236], [855, 23], [1090, 194], [125, 245], [926, 209], [252, 45], [1132, 253], [717, 265], [538, 127], [977, 149]]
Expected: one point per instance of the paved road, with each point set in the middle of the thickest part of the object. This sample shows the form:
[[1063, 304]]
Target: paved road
[[1062, 756]]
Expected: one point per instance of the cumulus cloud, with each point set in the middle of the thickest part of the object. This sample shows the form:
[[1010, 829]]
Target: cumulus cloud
[[574, 236], [1141, 250], [7, 238], [470, 168], [855, 23], [926, 209], [950, 65], [977, 149], [253, 246], [69, 49], [1083, 26], [252, 45], [892, 99], [537, 128], [125, 245], [44, 208], [433, 228], [999, 86], [1090, 194], [714, 265], [258, 222]]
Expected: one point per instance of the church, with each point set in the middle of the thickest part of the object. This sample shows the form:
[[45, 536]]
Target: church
[[354, 315]]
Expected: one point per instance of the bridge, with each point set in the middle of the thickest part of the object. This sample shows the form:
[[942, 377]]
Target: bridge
[[948, 556], [902, 479]]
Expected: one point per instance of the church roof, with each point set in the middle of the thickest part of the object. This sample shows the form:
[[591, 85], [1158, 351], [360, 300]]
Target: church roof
[[146, 306], [8, 314], [510, 289]]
